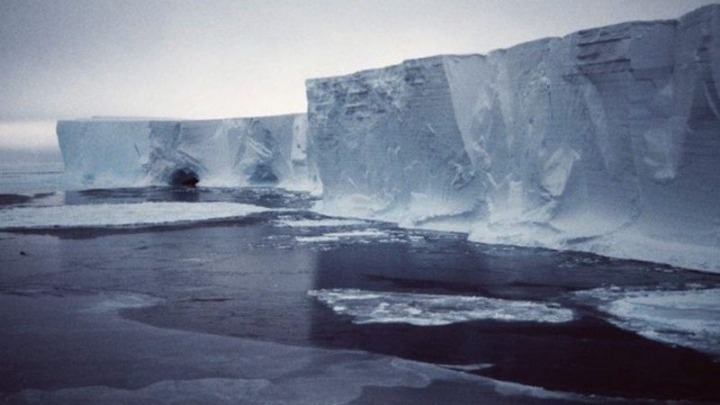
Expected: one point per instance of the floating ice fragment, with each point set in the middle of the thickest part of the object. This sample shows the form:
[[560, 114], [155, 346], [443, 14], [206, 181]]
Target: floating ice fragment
[[111, 215], [435, 310], [689, 318]]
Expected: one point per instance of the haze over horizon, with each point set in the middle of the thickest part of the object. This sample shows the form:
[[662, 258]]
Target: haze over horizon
[[197, 59]]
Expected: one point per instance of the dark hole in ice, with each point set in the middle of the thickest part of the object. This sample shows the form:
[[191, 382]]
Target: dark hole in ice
[[263, 174], [184, 178]]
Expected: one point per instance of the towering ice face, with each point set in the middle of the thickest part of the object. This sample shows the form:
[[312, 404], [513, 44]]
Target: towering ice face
[[222, 152], [607, 140], [229, 152], [103, 152], [387, 141]]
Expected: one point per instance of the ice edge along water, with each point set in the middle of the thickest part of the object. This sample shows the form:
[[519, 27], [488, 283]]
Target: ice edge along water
[[121, 215], [606, 141], [435, 310], [688, 318]]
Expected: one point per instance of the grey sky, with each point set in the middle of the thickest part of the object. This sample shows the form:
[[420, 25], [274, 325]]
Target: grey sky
[[199, 59]]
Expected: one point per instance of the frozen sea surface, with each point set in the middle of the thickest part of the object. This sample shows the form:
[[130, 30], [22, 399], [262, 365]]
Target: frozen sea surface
[[255, 298], [434, 309], [114, 215], [685, 317]]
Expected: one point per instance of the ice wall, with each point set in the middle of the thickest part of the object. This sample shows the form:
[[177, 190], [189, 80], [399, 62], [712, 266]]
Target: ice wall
[[387, 139], [227, 152], [606, 140], [103, 152]]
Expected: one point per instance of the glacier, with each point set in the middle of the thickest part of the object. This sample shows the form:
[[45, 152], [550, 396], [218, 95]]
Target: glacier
[[606, 140], [107, 152]]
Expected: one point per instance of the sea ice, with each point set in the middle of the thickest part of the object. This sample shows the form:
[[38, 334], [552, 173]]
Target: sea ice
[[319, 223], [337, 236], [435, 310], [688, 318], [114, 215]]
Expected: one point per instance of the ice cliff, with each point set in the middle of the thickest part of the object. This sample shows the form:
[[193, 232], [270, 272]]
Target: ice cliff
[[606, 140], [227, 152]]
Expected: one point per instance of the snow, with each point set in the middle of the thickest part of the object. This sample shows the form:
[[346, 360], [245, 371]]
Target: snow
[[602, 141], [227, 152], [435, 310], [114, 215], [688, 318]]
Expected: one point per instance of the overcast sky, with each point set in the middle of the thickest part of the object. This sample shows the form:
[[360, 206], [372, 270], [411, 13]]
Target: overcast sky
[[226, 58]]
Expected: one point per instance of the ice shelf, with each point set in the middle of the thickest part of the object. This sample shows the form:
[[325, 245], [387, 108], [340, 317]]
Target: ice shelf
[[226, 152], [606, 140]]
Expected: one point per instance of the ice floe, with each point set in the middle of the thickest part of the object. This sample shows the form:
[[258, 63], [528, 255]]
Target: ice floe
[[689, 318], [317, 223], [113, 215], [435, 310], [337, 236]]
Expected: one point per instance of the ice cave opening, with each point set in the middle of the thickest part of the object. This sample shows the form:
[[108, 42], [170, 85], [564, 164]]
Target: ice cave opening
[[184, 178]]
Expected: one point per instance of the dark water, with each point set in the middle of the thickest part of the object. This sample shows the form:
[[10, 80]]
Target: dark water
[[250, 277]]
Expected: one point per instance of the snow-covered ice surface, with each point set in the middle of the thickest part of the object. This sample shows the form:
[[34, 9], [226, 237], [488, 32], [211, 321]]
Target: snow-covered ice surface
[[114, 215], [605, 141], [688, 318], [434, 310]]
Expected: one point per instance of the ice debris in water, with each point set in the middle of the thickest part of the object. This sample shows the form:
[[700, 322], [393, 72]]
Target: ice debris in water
[[360, 234], [317, 223], [688, 318], [435, 310], [110, 215]]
